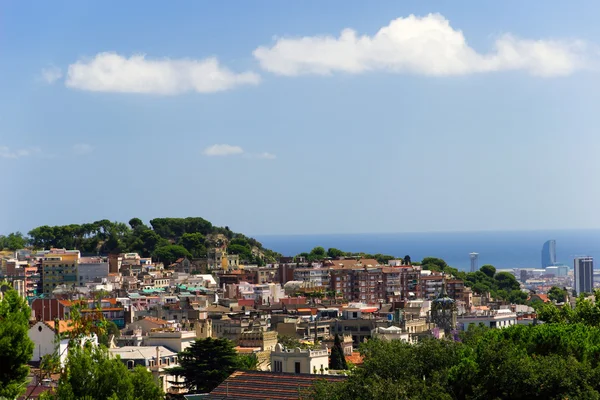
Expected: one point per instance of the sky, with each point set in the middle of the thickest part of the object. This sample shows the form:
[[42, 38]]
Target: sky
[[276, 117]]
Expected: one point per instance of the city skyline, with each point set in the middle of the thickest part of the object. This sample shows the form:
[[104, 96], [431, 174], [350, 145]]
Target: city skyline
[[305, 118]]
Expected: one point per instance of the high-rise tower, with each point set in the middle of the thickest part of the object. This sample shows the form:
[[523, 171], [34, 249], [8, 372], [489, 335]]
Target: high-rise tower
[[584, 274], [474, 261], [549, 253]]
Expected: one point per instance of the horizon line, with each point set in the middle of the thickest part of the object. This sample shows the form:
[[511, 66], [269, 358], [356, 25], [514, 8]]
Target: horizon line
[[427, 232]]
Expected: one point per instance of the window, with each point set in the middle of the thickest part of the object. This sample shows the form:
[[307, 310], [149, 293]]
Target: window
[[297, 367], [130, 364]]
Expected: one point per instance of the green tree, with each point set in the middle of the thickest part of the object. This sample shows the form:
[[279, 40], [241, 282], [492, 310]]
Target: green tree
[[16, 349], [91, 373], [488, 270], [248, 362], [144, 385], [557, 294], [111, 329], [206, 363], [14, 241], [434, 264], [170, 253], [337, 361], [335, 253], [318, 253], [136, 223], [407, 260], [506, 281], [194, 243], [244, 252]]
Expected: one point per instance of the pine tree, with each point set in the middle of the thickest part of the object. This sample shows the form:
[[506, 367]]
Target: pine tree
[[16, 348], [337, 361], [206, 363]]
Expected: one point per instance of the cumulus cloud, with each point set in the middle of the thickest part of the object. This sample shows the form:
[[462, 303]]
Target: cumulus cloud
[[222, 150], [51, 74], [420, 45], [111, 72], [6, 152], [81, 149]]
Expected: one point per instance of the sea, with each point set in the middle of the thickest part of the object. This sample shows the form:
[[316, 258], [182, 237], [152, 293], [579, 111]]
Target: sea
[[502, 249]]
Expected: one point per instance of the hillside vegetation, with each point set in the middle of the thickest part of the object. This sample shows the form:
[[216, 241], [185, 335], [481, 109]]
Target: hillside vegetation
[[166, 239]]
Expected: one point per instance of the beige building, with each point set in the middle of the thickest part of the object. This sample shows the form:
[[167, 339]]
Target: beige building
[[59, 267], [299, 361], [176, 341], [258, 338], [219, 259]]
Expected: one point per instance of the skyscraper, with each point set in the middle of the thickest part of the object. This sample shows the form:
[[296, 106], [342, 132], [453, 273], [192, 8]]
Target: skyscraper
[[474, 261], [549, 253], [584, 274]]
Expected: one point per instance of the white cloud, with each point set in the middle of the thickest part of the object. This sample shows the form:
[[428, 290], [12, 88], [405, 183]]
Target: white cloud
[[6, 152], [420, 45], [111, 72], [51, 74], [81, 149], [222, 150]]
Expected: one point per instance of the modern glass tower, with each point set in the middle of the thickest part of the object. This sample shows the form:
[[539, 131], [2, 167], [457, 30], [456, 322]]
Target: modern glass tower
[[584, 274], [549, 253]]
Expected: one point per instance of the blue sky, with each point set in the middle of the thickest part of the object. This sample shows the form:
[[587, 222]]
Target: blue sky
[[265, 117]]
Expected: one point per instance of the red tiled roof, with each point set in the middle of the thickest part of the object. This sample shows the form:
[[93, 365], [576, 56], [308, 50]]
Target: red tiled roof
[[355, 358], [249, 385], [63, 326], [542, 297], [156, 320]]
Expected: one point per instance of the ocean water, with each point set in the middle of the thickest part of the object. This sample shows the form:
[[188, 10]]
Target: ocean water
[[504, 250]]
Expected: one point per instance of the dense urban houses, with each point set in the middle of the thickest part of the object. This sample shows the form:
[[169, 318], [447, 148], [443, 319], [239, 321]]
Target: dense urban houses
[[286, 314]]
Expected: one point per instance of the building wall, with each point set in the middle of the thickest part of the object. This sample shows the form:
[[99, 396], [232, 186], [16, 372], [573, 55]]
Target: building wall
[[58, 270], [91, 272], [308, 360], [584, 274], [489, 321], [174, 341], [47, 309], [44, 340]]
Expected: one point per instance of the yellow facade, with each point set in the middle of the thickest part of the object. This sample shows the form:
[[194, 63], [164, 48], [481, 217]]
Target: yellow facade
[[59, 268]]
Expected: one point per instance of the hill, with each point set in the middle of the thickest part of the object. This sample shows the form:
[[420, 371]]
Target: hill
[[164, 239]]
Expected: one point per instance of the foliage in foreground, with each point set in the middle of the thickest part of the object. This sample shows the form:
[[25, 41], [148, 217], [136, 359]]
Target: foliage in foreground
[[16, 348], [549, 361], [91, 373], [207, 363]]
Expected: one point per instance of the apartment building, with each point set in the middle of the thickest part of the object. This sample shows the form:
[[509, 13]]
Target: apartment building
[[92, 269], [59, 267], [401, 282], [315, 277]]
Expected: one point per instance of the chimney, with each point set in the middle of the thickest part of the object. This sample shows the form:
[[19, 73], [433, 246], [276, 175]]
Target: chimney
[[157, 357]]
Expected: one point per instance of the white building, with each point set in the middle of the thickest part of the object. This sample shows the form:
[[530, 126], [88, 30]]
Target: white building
[[492, 319], [154, 358], [19, 286], [176, 341], [391, 333], [45, 338], [316, 277], [299, 361]]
